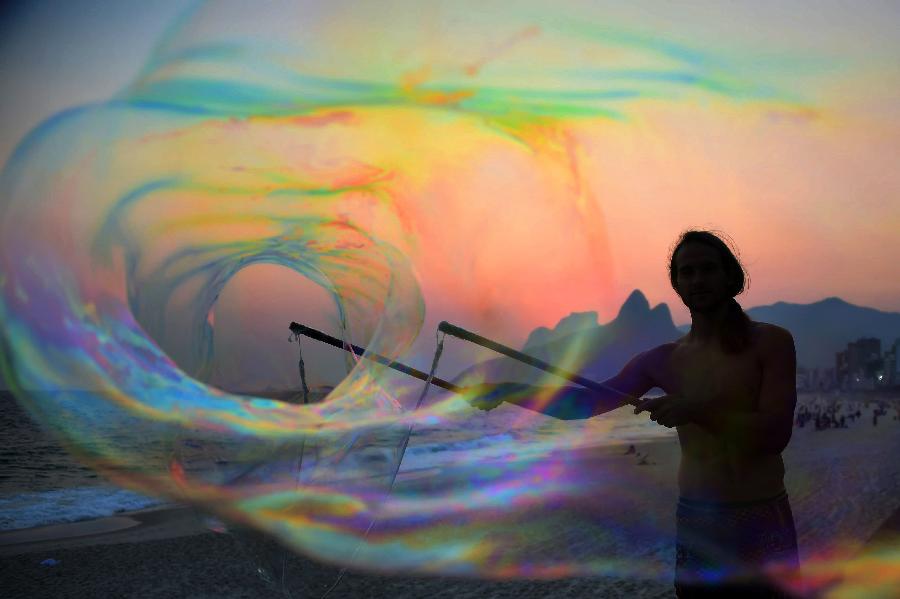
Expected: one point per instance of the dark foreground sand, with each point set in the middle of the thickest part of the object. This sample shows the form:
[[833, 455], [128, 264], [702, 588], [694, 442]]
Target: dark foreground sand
[[205, 564], [198, 563], [170, 553], [212, 565]]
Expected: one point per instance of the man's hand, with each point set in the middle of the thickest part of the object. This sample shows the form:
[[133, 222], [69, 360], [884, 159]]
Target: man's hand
[[671, 410], [488, 396]]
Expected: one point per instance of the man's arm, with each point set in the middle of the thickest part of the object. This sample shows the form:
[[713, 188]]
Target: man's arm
[[577, 403]]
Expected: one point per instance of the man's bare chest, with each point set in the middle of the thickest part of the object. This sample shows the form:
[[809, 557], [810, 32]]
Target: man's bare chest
[[732, 380]]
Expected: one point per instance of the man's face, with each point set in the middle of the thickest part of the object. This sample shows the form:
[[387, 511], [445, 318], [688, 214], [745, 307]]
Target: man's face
[[701, 280]]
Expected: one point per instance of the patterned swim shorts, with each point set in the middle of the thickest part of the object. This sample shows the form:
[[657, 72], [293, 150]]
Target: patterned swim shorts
[[721, 548]]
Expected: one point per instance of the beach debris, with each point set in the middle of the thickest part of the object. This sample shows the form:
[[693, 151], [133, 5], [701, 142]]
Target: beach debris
[[215, 524], [644, 460], [50, 562]]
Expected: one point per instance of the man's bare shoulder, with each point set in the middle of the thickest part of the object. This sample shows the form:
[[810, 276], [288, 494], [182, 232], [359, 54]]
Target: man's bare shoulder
[[771, 342], [769, 335]]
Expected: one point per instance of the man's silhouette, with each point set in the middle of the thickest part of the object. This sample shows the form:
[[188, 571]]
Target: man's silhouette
[[730, 392]]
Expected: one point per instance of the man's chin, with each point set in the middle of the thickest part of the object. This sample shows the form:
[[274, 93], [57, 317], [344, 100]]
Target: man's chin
[[704, 304]]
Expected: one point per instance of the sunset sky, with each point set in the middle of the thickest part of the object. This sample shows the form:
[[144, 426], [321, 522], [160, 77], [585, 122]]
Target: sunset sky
[[806, 182]]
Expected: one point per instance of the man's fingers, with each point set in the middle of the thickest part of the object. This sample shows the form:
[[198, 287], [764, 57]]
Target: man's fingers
[[665, 420], [655, 403], [665, 410], [650, 404], [672, 417], [661, 420], [671, 422], [642, 406], [667, 416]]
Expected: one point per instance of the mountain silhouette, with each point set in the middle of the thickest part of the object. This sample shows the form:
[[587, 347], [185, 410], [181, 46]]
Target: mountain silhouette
[[579, 344], [598, 351], [823, 328]]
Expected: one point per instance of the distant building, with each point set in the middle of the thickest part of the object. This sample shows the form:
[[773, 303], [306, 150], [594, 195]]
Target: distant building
[[861, 365], [815, 379], [892, 365]]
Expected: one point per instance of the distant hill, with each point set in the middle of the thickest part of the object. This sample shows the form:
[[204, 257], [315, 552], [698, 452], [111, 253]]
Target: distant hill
[[580, 344], [606, 348], [825, 327]]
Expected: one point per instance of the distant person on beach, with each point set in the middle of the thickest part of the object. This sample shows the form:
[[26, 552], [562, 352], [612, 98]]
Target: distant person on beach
[[730, 393]]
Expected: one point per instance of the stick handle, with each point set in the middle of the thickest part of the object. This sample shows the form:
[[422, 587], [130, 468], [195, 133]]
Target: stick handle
[[299, 329], [451, 329]]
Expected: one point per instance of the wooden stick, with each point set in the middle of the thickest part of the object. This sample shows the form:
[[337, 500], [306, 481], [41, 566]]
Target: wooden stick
[[450, 329], [299, 329]]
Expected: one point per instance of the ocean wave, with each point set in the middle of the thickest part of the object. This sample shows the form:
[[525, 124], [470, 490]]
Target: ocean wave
[[58, 506]]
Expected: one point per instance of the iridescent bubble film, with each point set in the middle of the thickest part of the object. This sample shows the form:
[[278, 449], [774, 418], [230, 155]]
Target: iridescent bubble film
[[403, 164]]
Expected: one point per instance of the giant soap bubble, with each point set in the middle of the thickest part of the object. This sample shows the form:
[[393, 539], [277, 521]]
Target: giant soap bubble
[[417, 162]]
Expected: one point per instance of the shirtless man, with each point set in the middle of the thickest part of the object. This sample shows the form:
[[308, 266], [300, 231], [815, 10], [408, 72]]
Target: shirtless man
[[730, 393]]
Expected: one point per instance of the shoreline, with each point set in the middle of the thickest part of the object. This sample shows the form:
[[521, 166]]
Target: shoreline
[[407, 474], [171, 520], [149, 524]]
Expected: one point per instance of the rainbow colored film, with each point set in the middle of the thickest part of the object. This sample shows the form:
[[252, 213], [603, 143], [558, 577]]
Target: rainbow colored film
[[417, 162]]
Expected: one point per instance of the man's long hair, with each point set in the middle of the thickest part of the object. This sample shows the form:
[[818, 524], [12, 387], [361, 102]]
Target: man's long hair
[[735, 335]]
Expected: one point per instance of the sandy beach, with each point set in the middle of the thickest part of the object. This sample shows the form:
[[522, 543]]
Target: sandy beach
[[843, 485], [169, 552], [203, 564]]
